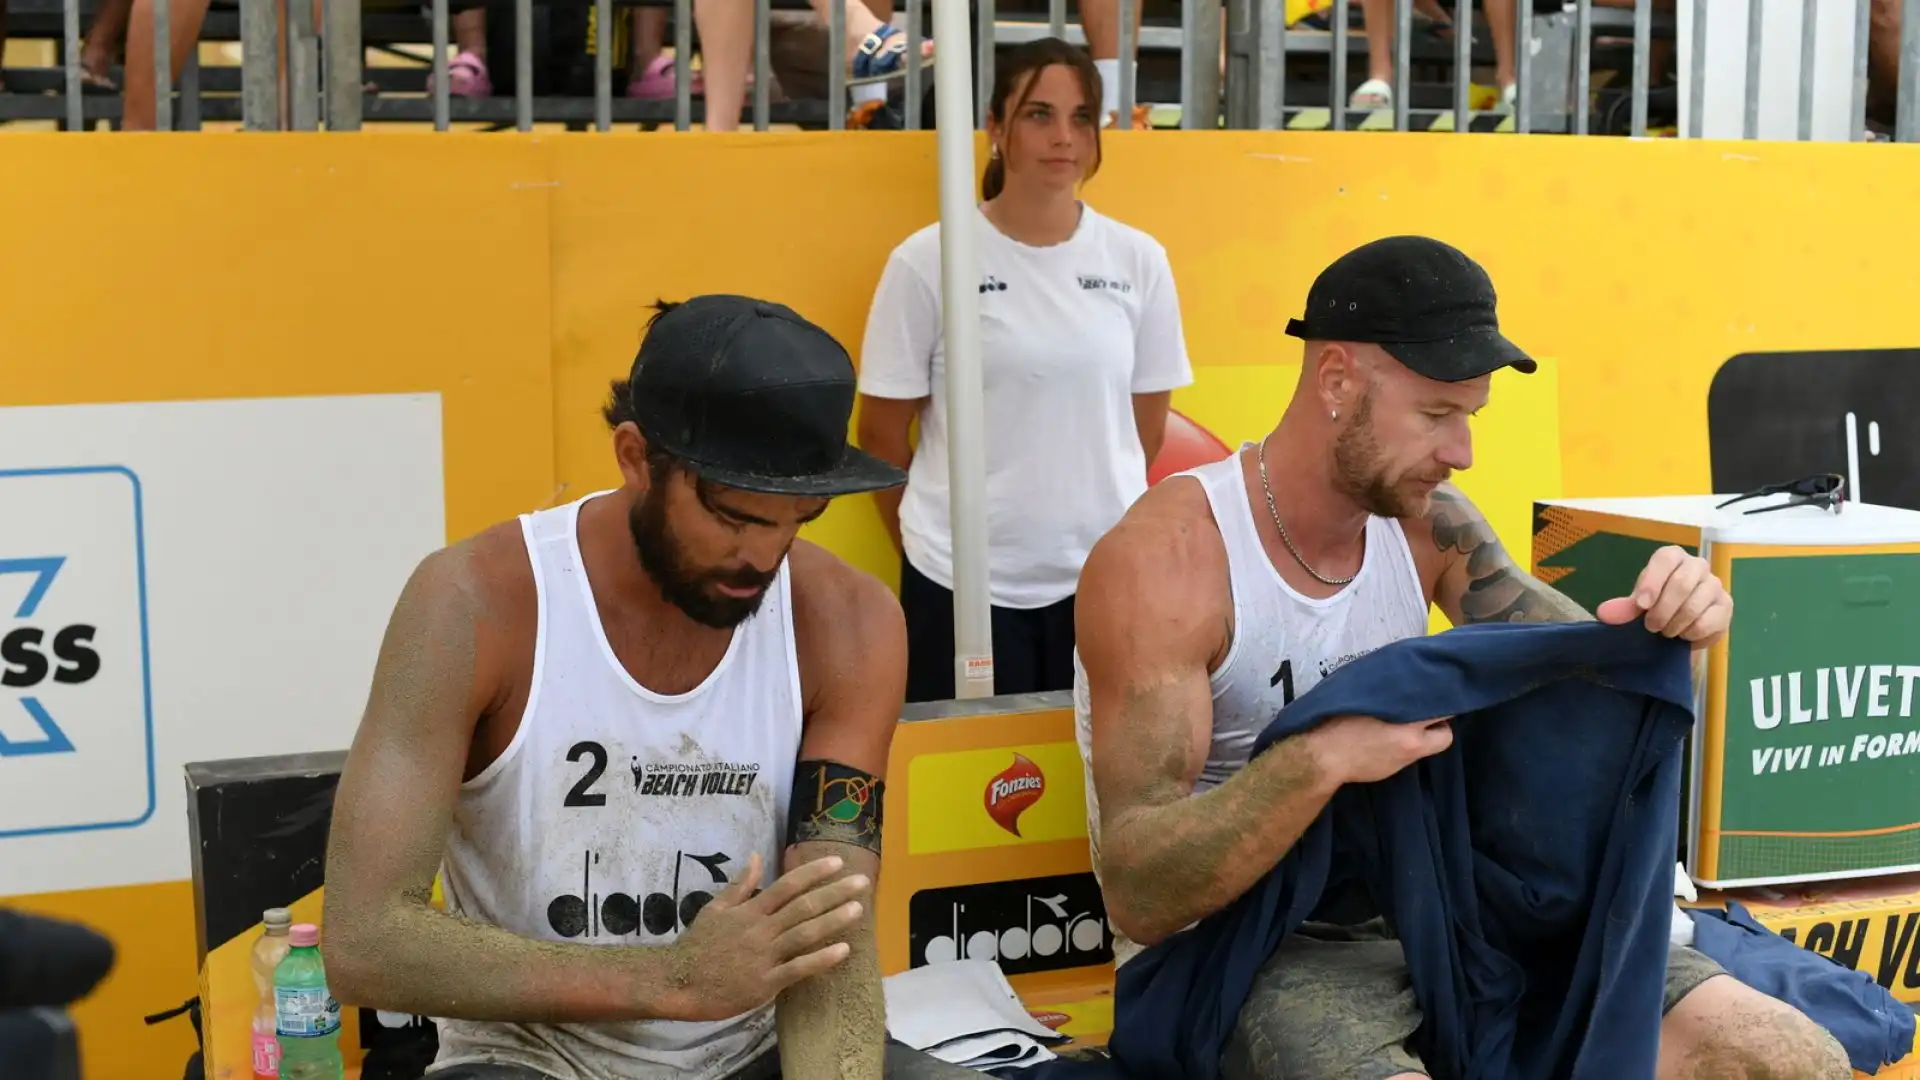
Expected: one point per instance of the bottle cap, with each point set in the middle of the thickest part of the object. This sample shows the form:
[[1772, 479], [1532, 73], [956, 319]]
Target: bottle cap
[[305, 936], [277, 920]]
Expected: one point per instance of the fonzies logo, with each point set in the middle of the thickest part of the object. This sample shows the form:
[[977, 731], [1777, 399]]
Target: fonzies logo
[[1001, 794], [1027, 925], [1011, 793], [1051, 1019]]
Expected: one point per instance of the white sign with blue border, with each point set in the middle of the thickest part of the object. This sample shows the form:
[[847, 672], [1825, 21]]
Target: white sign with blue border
[[76, 708]]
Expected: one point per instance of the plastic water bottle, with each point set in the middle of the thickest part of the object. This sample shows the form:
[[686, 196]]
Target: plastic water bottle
[[307, 1018], [267, 954]]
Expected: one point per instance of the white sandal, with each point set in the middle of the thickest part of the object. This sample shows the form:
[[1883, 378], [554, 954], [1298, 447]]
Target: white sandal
[[1373, 94]]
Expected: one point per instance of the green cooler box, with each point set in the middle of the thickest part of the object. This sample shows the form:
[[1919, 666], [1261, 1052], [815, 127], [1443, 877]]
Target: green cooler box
[[1805, 756]]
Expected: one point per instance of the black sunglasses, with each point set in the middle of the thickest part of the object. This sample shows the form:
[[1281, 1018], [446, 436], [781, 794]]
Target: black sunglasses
[[1826, 490]]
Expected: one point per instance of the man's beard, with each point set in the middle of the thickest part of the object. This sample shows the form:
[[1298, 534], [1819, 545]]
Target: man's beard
[[1356, 463], [686, 588]]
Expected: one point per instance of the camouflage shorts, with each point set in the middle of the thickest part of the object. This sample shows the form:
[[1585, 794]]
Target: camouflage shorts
[[1335, 1003]]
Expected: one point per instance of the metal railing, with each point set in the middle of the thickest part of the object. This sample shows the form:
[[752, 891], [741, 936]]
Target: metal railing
[[1762, 68]]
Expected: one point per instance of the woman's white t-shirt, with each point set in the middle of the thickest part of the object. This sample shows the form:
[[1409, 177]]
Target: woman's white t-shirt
[[1069, 333]]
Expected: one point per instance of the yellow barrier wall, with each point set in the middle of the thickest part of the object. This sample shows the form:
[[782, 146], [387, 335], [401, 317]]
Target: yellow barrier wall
[[174, 269], [511, 275]]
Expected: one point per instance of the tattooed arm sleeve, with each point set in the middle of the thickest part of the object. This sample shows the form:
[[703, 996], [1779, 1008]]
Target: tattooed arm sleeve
[[1481, 582]]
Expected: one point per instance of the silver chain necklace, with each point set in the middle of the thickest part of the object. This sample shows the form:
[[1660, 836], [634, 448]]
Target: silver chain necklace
[[1288, 540]]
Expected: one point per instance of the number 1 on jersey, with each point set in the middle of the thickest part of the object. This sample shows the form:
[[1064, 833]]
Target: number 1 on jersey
[[1283, 678]]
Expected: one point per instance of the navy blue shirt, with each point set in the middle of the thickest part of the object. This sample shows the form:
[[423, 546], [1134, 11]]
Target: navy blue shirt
[[1528, 870]]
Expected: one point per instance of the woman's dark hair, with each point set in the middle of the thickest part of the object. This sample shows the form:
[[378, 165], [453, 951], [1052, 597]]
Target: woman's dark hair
[[619, 407], [1013, 69]]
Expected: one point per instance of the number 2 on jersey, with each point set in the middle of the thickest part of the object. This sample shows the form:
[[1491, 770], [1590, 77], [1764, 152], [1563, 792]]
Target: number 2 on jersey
[[582, 793]]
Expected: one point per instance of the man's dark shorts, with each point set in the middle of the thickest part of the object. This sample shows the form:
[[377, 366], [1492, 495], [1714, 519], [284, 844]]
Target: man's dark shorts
[[1336, 1003], [903, 1063]]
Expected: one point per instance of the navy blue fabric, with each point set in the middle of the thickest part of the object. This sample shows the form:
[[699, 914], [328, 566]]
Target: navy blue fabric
[[1528, 870], [1875, 1028]]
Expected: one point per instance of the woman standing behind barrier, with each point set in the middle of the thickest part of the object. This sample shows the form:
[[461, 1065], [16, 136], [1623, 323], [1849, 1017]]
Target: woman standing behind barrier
[[1081, 346]]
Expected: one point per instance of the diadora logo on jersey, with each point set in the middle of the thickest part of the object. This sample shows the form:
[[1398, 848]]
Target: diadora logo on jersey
[[989, 283], [658, 907], [1011, 793]]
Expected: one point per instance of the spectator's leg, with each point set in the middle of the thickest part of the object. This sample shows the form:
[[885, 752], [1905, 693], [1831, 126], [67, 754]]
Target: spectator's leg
[[726, 55], [1500, 19], [650, 76], [876, 54], [1883, 62], [102, 44], [467, 73], [1377, 92], [183, 18], [864, 19], [1101, 21], [649, 35], [861, 20]]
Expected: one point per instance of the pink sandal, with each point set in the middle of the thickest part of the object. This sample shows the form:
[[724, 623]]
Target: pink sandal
[[655, 82], [466, 77]]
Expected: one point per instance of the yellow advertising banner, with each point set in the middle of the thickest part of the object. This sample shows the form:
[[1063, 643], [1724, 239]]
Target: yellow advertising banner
[[996, 797], [985, 853], [249, 267]]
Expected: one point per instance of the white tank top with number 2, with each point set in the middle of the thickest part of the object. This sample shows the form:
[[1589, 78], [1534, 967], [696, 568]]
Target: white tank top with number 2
[[1284, 643], [617, 812]]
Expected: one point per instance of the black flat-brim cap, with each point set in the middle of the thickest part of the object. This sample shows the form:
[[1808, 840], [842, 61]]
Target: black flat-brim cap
[[1423, 301], [750, 395]]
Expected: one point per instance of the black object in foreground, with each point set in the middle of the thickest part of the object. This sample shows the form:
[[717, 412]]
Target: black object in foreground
[[47, 962]]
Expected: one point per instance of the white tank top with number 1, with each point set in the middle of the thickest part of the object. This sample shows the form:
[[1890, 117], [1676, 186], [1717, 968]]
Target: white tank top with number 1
[[1283, 642], [617, 812]]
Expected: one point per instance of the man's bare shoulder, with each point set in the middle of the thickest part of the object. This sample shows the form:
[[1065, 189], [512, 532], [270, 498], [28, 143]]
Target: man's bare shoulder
[[1156, 585], [827, 587], [843, 617], [475, 601], [487, 576], [1166, 543]]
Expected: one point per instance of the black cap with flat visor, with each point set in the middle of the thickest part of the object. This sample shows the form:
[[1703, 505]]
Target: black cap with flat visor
[[1423, 301], [753, 396]]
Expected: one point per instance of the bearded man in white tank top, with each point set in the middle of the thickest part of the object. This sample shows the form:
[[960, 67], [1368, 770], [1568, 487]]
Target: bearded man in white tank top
[[1230, 590], [611, 726]]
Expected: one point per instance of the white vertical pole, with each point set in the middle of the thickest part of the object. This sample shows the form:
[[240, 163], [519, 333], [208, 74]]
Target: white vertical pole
[[966, 408]]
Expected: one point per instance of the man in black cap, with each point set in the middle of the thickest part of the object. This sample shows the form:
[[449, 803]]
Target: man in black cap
[[642, 739], [1232, 589]]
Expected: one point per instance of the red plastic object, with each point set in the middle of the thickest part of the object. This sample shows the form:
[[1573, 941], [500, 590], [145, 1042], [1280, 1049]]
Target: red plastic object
[[1187, 444]]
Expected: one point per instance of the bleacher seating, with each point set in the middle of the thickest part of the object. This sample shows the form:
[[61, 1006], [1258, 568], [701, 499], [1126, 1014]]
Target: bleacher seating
[[397, 37]]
